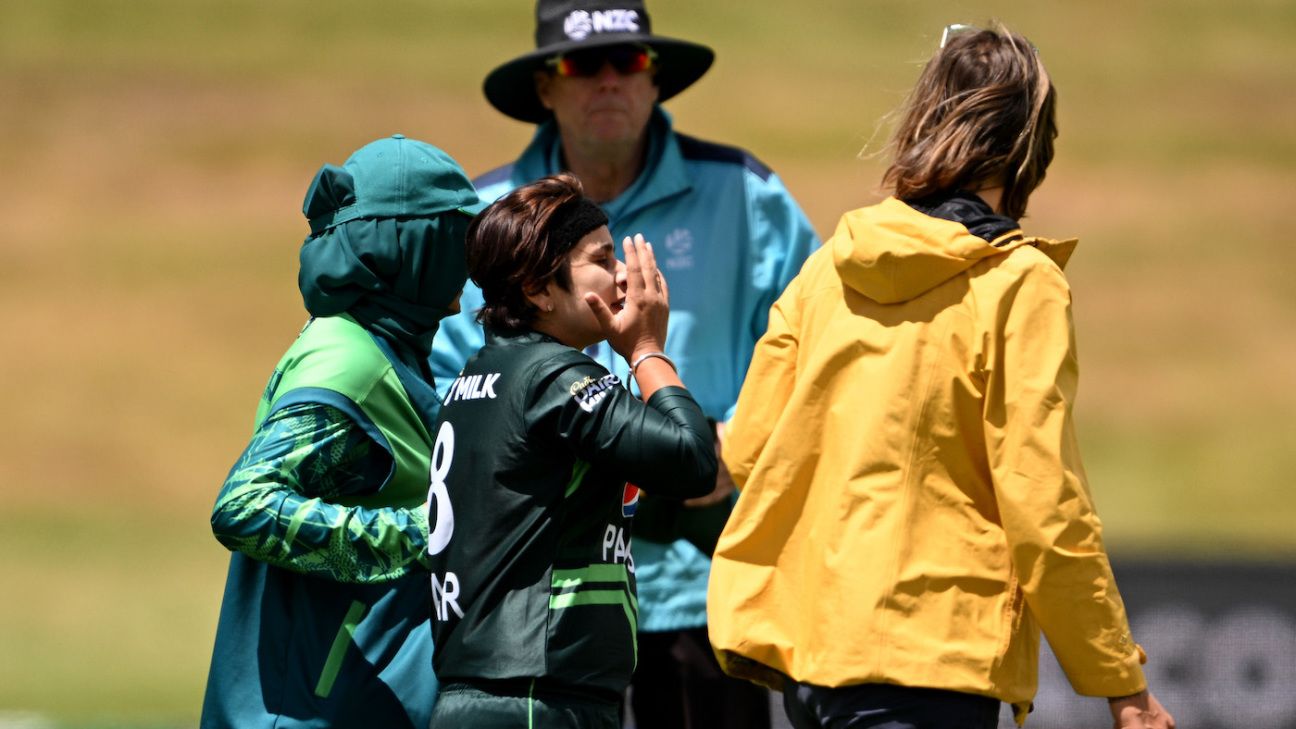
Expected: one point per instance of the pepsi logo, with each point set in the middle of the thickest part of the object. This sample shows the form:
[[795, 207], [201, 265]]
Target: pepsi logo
[[629, 500]]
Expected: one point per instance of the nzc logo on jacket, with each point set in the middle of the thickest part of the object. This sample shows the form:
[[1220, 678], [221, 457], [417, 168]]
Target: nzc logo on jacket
[[580, 23], [629, 500], [679, 246]]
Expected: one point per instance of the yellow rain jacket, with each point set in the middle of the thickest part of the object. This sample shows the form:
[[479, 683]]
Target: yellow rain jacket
[[914, 509]]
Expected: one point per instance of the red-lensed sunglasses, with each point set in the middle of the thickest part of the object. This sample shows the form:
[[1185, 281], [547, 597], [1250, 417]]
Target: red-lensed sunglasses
[[587, 62]]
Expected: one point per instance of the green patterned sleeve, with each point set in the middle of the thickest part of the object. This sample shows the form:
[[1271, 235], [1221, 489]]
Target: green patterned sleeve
[[277, 503]]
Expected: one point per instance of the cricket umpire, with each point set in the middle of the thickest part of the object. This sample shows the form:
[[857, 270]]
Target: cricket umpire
[[730, 237]]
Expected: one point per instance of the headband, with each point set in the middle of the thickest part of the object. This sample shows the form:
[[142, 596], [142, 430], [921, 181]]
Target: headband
[[575, 221]]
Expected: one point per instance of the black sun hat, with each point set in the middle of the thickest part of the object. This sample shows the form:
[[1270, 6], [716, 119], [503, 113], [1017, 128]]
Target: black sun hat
[[568, 25]]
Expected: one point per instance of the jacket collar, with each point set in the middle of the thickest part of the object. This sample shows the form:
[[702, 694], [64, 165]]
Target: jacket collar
[[664, 174], [1000, 231], [519, 337], [973, 212]]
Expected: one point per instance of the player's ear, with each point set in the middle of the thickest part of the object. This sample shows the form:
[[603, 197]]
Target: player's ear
[[542, 300]]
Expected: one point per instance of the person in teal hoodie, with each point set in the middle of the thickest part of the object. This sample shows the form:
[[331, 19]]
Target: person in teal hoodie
[[324, 621]]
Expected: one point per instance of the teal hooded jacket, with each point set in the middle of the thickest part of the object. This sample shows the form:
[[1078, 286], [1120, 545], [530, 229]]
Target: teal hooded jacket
[[324, 620]]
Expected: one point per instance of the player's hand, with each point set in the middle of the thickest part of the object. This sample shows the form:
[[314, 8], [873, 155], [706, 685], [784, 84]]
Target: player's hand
[[1139, 711], [640, 325]]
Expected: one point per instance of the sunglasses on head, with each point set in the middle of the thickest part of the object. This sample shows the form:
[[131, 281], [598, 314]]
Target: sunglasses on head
[[587, 62], [954, 29]]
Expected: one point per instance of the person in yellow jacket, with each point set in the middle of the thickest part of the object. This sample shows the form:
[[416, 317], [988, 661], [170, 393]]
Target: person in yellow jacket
[[913, 508]]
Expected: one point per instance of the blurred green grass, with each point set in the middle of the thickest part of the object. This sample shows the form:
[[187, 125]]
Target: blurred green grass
[[157, 153]]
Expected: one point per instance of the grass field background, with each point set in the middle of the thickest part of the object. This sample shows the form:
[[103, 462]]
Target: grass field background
[[155, 154]]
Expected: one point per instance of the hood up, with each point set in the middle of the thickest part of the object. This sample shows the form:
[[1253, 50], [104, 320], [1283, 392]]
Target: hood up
[[893, 252]]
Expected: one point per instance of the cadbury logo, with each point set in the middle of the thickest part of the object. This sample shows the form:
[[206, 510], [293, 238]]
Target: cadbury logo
[[588, 394]]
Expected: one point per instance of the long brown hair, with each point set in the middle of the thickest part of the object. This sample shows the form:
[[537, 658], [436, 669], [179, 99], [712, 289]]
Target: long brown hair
[[981, 115]]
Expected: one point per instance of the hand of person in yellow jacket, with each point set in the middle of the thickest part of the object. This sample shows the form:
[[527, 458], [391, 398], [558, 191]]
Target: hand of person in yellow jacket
[[1139, 711]]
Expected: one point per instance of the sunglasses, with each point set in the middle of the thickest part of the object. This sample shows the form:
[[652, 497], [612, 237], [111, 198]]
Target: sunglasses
[[587, 62], [954, 29]]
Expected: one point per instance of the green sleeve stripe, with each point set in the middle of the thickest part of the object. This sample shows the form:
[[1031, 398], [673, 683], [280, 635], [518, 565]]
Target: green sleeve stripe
[[333, 665], [592, 573], [578, 474], [573, 581], [589, 597]]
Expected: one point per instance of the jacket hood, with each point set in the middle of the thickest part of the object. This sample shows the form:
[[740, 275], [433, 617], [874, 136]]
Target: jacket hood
[[893, 252]]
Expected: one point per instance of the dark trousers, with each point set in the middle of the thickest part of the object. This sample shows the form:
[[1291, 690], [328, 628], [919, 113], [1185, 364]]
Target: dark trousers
[[883, 706], [678, 684]]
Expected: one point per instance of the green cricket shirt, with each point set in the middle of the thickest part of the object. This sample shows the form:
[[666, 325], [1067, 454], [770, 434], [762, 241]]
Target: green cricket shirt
[[538, 455]]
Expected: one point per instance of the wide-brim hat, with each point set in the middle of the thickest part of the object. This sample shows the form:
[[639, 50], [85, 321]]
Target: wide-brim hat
[[569, 25]]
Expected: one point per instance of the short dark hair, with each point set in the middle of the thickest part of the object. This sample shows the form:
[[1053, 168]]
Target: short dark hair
[[519, 243], [982, 114]]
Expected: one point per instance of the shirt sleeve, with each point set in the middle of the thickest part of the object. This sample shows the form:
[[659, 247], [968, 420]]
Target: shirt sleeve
[[768, 387], [278, 503], [1048, 514], [783, 239], [664, 446]]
